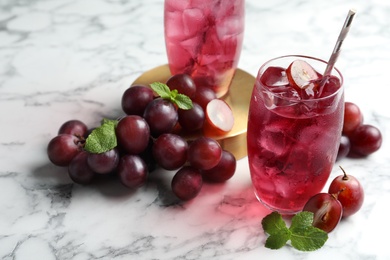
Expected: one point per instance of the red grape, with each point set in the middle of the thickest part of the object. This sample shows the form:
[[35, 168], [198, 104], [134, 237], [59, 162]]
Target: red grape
[[132, 171], [344, 148], [104, 163], [203, 96], [133, 134], [327, 211], [183, 83], [73, 127], [224, 170], [365, 140], [79, 171], [136, 98], [349, 192], [192, 119], [63, 148], [187, 183], [170, 151], [353, 117], [161, 116], [204, 153]]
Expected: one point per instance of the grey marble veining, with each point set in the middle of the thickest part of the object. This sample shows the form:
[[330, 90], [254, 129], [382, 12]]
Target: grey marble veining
[[68, 59]]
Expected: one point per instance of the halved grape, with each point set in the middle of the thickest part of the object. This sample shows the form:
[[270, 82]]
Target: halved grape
[[219, 118], [327, 211], [300, 74]]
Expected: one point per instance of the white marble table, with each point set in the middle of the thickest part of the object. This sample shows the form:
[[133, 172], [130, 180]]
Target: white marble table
[[68, 59]]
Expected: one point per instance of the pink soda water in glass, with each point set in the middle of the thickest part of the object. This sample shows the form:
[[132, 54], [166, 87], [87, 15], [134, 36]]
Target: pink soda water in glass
[[204, 39], [293, 134]]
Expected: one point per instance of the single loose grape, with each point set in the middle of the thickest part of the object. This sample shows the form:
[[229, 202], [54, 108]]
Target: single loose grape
[[349, 192], [365, 140]]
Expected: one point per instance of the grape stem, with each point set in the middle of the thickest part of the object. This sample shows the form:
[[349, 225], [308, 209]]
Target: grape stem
[[336, 195], [345, 177], [80, 141]]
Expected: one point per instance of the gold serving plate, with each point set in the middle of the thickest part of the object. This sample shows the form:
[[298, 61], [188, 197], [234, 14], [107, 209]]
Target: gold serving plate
[[238, 99]]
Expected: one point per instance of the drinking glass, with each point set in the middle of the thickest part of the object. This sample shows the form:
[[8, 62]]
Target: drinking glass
[[203, 39], [292, 140]]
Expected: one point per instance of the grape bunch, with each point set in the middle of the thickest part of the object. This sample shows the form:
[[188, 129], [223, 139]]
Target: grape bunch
[[151, 135], [358, 139]]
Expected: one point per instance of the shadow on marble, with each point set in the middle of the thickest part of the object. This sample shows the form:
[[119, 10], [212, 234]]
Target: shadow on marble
[[109, 185]]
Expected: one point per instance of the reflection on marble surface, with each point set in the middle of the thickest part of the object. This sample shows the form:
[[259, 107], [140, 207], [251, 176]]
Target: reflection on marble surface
[[68, 59]]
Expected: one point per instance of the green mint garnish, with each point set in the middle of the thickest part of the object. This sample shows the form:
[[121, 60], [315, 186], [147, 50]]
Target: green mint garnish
[[303, 235], [103, 138], [181, 100], [275, 226]]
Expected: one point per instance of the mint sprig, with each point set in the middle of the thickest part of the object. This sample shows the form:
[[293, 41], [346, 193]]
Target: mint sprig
[[102, 138], [181, 100], [303, 235]]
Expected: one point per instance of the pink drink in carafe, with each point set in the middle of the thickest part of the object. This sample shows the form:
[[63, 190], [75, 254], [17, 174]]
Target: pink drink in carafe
[[204, 39]]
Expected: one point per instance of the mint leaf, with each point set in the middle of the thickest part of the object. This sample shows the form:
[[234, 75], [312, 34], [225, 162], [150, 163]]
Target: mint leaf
[[181, 100], [275, 226], [273, 223], [278, 239], [103, 138], [308, 238], [161, 89], [304, 236], [302, 219]]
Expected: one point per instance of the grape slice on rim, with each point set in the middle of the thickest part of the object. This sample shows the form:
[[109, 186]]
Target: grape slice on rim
[[300, 74]]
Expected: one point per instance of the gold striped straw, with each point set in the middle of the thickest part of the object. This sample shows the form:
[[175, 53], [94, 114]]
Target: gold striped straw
[[343, 33]]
